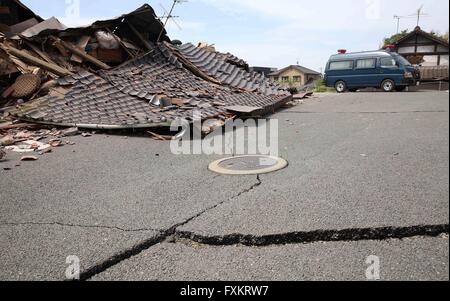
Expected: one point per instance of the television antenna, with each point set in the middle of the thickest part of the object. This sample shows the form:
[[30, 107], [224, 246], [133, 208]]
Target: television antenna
[[398, 18], [168, 16], [419, 14]]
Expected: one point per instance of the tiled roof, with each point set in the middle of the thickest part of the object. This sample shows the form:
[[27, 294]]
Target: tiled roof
[[229, 70], [299, 68], [149, 91]]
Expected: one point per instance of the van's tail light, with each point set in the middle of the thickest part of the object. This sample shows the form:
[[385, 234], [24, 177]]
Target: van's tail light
[[409, 75]]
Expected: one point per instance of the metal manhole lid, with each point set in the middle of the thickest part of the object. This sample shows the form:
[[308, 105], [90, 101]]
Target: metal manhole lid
[[248, 165]]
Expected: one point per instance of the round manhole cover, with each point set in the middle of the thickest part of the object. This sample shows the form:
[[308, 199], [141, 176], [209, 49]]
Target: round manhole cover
[[248, 165]]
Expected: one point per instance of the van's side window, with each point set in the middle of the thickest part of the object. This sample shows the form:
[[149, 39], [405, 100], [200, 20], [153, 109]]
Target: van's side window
[[388, 62], [342, 65], [366, 64]]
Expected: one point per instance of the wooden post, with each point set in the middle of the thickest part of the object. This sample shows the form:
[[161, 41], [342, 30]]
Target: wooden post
[[38, 62], [144, 41], [80, 53]]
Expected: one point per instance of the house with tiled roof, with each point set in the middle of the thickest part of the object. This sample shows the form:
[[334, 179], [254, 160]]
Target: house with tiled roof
[[427, 51], [296, 75], [421, 47]]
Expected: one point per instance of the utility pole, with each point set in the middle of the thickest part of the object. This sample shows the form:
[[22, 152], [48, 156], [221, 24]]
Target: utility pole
[[398, 22]]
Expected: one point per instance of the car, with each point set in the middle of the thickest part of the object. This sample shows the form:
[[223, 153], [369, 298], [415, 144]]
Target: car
[[383, 69]]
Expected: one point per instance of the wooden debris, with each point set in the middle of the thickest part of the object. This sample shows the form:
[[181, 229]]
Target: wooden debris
[[38, 62], [10, 126], [140, 37], [82, 43], [74, 50]]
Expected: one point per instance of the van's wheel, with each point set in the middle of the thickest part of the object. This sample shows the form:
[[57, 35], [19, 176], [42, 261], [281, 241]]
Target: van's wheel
[[340, 86], [388, 85]]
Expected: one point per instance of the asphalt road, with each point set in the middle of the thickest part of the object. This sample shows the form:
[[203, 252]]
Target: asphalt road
[[368, 175]]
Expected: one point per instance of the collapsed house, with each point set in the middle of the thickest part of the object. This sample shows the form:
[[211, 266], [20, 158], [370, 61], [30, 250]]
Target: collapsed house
[[125, 73]]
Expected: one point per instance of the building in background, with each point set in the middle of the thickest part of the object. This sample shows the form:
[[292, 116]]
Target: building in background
[[263, 70], [295, 75], [426, 50], [422, 48]]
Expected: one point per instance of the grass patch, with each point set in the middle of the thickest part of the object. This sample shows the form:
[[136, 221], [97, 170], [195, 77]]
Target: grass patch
[[322, 88]]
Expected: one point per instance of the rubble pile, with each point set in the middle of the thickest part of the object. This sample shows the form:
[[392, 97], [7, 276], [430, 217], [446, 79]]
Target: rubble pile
[[123, 73], [34, 53]]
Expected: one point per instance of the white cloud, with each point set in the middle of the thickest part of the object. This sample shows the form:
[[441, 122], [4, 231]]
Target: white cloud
[[354, 15], [310, 31]]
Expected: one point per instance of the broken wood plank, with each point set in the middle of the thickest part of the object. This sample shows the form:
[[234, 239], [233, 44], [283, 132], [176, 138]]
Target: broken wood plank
[[19, 126], [82, 43], [39, 52], [38, 62], [141, 38], [74, 50]]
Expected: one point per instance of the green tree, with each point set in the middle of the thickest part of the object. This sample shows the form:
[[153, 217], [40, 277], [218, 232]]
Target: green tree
[[440, 36], [394, 38]]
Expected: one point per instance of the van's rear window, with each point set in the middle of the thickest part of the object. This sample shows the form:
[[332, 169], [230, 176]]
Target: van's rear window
[[342, 65]]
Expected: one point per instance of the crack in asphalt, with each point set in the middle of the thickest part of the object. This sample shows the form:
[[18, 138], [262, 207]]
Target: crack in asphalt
[[164, 235], [76, 226], [173, 235], [357, 234]]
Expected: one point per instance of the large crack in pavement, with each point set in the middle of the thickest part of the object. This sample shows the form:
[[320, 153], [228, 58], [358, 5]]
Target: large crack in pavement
[[163, 235], [173, 235], [358, 234]]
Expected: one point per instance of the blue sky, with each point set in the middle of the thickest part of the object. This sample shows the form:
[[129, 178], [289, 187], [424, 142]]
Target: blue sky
[[273, 33]]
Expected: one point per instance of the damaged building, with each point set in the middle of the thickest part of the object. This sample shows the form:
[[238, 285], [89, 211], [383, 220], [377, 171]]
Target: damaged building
[[121, 73]]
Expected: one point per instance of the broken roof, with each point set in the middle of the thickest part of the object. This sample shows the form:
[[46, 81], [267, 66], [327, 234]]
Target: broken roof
[[143, 18], [49, 24], [150, 91], [18, 12], [228, 70]]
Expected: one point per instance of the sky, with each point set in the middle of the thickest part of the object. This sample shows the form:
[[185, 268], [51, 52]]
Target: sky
[[270, 33]]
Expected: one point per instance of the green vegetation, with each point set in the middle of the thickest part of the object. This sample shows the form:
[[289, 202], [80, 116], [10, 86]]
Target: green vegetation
[[177, 42], [321, 87], [394, 38]]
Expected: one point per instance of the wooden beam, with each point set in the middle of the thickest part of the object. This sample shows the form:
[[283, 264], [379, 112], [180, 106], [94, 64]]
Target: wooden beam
[[74, 50], [137, 33], [38, 62], [120, 42], [39, 52]]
